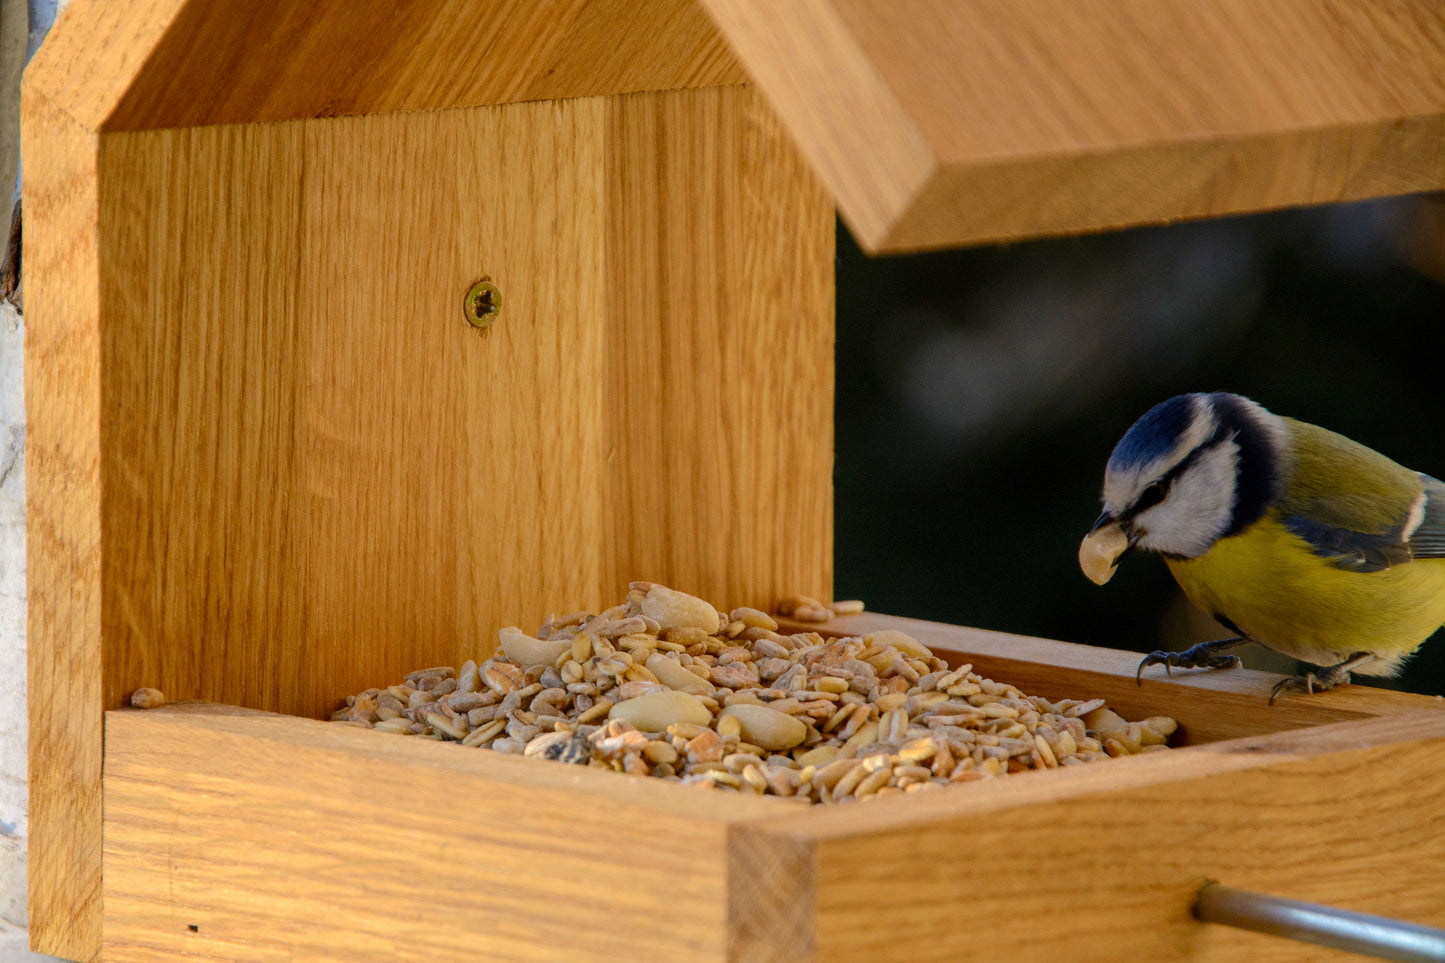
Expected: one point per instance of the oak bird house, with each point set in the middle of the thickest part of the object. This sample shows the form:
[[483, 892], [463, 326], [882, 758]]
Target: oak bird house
[[357, 330]]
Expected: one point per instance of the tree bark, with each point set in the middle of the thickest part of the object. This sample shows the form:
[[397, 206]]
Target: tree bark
[[14, 34]]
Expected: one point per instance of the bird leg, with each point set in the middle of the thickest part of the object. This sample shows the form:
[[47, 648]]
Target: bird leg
[[1205, 655], [1326, 678]]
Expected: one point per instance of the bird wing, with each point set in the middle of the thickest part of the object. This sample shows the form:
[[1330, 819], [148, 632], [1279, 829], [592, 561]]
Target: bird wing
[[1428, 540], [1357, 508], [1345, 548]]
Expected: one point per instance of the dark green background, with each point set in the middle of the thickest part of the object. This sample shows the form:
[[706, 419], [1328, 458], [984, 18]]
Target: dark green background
[[981, 391]]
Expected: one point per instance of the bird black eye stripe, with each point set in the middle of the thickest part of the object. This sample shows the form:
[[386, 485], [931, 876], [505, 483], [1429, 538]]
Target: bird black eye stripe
[[1151, 496], [1158, 489]]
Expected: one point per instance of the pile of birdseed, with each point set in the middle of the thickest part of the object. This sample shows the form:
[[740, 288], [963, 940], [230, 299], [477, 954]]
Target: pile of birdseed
[[664, 685]]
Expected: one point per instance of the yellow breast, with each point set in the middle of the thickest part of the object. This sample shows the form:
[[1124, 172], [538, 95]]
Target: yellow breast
[[1268, 583]]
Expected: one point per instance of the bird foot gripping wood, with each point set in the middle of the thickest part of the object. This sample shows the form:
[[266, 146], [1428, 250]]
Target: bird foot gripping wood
[[1205, 655], [1326, 678]]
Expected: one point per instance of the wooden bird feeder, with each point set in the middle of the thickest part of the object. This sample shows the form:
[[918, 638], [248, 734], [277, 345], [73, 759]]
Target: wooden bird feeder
[[274, 459]]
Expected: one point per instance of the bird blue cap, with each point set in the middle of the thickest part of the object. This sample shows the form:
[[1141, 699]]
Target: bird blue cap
[[1155, 433]]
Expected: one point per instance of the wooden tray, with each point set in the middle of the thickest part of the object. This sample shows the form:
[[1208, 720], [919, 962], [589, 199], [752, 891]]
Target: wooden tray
[[239, 835]]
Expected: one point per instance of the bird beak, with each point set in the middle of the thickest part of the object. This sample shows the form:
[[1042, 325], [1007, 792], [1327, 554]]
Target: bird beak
[[1102, 549]]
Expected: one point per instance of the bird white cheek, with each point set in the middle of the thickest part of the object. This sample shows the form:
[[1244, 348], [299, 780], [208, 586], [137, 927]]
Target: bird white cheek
[[1198, 508]]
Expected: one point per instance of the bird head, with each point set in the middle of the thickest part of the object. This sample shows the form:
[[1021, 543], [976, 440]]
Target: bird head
[[1193, 470]]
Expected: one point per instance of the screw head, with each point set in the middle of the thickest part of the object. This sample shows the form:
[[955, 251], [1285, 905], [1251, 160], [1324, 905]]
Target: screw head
[[482, 304]]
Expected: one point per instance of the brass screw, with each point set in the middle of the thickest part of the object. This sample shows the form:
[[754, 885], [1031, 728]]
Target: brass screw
[[483, 303]]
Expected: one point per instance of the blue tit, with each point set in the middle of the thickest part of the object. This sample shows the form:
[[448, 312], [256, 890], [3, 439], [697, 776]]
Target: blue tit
[[1293, 537]]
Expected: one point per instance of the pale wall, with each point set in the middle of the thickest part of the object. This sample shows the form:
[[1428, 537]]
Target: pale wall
[[12, 620]]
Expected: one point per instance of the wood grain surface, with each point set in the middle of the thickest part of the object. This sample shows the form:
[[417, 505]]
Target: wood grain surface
[[271, 464], [944, 122], [718, 376], [63, 530], [323, 477], [264, 838], [236, 835], [170, 63], [1103, 862], [318, 476]]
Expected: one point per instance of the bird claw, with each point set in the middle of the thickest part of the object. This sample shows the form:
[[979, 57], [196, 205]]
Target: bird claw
[[1155, 658], [1305, 683], [1326, 678], [1205, 655]]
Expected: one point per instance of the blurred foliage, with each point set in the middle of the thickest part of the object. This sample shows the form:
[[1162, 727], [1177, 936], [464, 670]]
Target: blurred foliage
[[980, 392]]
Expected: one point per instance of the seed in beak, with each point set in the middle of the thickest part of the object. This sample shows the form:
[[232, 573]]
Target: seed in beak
[[1101, 550]]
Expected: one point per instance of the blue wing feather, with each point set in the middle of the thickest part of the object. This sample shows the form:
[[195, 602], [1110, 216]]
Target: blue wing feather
[[1356, 551], [1376, 551]]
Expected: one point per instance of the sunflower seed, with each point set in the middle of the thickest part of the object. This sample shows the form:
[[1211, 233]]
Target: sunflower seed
[[795, 716]]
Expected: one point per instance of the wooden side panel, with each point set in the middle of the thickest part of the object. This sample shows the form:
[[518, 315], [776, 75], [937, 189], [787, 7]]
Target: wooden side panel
[[260, 838], [1102, 862], [63, 530], [201, 237], [252, 384], [233, 835], [321, 477], [168, 63], [451, 474], [939, 122], [719, 375], [772, 897]]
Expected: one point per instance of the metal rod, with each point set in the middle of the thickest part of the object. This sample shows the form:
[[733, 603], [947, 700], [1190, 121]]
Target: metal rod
[[1376, 936]]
